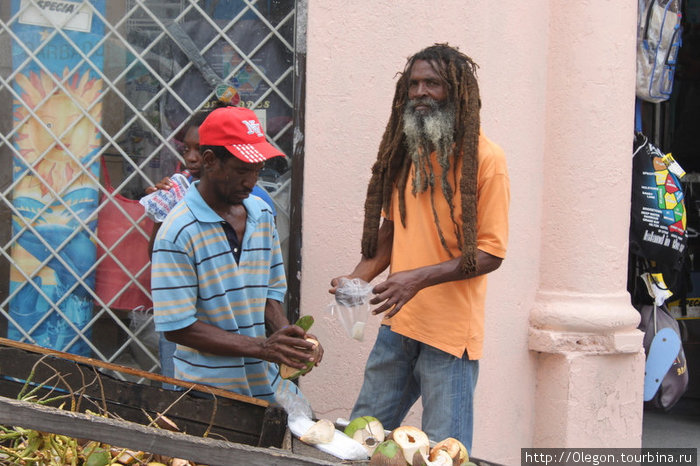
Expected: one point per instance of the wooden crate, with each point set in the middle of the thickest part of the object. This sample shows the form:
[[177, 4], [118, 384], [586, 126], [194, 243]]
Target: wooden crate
[[225, 415], [239, 429], [138, 437]]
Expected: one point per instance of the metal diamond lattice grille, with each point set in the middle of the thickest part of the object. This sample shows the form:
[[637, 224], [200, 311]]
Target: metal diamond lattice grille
[[96, 97]]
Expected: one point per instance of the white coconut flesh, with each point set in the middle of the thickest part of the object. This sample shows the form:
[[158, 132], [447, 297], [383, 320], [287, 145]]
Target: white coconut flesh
[[321, 432], [288, 372], [366, 430], [411, 440]]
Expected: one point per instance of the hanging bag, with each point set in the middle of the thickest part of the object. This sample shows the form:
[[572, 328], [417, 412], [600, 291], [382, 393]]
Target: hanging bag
[[125, 235], [658, 216], [658, 41], [659, 329], [658, 242]]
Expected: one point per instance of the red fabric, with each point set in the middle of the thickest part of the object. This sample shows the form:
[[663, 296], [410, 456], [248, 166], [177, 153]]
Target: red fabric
[[239, 131], [132, 252]]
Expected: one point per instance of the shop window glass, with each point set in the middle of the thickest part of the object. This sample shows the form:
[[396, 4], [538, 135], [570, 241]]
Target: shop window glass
[[95, 97]]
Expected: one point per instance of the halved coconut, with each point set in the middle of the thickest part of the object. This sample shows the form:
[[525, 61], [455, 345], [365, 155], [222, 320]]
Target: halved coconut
[[291, 373], [322, 431], [411, 440], [454, 448], [366, 430]]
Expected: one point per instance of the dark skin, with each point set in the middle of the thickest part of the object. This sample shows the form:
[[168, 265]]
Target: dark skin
[[224, 185], [400, 287], [193, 160], [190, 153]]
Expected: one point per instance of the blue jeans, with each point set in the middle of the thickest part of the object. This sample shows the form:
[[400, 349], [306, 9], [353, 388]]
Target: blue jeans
[[166, 349], [400, 370]]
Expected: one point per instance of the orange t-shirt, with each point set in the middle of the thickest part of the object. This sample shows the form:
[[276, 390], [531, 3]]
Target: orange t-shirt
[[450, 316]]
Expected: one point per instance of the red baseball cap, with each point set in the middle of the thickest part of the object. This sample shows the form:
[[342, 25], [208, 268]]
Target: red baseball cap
[[239, 131]]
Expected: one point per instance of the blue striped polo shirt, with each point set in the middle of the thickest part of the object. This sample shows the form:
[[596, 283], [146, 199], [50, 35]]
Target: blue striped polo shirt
[[194, 277]]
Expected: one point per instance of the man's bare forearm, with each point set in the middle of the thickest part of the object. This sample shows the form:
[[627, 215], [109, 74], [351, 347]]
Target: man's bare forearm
[[208, 338], [451, 270], [400, 287], [274, 315], [286, 345], [368, 268]]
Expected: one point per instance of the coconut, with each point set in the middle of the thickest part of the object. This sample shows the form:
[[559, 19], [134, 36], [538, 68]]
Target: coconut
[[322, 431], [411, 440], [387, 453], [288, 372], [305, 322], [454, 448], [441, 458], [366, 430]]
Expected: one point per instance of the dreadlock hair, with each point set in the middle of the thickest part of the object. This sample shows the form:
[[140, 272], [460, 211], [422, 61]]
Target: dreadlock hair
[[393, 163]]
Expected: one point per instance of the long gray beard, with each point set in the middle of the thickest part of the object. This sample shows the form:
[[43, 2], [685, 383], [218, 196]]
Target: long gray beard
[[425, 134]]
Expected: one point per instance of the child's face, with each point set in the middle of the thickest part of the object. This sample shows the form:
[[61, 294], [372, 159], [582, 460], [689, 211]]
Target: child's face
[[193, 159]]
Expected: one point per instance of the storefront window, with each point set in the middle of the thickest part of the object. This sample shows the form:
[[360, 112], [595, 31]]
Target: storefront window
[[96, 95]]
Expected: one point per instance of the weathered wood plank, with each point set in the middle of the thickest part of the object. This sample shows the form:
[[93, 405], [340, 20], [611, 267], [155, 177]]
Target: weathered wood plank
[[126, 399], [131, 371], [135, 436], [223, 414], [135, 414], [274, 427]]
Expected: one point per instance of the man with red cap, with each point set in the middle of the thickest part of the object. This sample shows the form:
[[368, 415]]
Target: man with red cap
[[217, 270]]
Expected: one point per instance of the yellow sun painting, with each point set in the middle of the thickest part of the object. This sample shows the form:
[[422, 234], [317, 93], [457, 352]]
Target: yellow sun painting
[[58, 119]]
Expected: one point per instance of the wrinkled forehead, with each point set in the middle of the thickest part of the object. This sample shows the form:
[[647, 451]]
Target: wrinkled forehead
[[436, 64], [429, 68]]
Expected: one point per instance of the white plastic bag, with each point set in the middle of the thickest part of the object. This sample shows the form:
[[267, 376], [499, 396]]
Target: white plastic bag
[[658, 42], [299, 421], [351, 306], [142, 325], [159, 203], [341, 446]]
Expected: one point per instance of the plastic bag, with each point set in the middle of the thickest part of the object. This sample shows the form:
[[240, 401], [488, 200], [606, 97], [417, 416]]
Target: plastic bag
[[159, 203], [299, 421], [659, 34], [341, 446], [123, 229], [295, 405], [142, 325], [351, 306]]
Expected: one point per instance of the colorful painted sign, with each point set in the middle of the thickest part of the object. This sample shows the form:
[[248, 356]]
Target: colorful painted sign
[[57, 91]]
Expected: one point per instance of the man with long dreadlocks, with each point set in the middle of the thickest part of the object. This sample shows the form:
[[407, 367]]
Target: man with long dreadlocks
[[443, 190]]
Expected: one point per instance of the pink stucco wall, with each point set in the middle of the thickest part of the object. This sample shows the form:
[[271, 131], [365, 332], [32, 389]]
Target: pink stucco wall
[[534, 90]]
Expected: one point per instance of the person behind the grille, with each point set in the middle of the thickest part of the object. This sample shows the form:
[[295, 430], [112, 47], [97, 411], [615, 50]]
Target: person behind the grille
[[217, 273]]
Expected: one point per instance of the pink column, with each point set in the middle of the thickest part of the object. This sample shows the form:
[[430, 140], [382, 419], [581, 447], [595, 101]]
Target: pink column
[[591, 362]]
